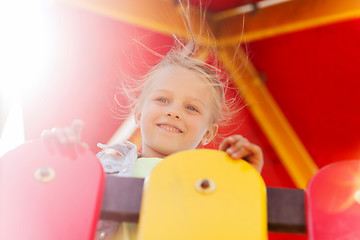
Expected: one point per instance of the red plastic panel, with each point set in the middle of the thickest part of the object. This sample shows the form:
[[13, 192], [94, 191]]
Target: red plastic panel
[[50, 193], [333, 202]]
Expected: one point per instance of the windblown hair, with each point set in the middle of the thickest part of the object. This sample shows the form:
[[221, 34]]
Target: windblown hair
[[185, 55]]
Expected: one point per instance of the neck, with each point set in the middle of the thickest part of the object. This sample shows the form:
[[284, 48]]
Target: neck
[[149, 153]]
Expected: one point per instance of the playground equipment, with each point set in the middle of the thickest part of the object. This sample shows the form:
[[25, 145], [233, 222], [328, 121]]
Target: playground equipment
[[49, 193]]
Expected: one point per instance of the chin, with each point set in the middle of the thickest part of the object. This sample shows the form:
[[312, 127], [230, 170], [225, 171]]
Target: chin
[[168, 152]]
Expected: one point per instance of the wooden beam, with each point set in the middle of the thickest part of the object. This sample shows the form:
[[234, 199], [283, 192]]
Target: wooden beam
[[286, 210], [122, 201], [283, 18], [122, 198], [265, 110], [162, 16]]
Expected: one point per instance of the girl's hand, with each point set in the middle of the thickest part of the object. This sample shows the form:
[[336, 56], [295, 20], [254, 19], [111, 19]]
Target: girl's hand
[[67, 135], [239, 147]]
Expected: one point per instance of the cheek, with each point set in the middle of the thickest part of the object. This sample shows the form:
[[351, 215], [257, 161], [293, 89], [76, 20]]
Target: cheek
[[200, 126], [149, 113]]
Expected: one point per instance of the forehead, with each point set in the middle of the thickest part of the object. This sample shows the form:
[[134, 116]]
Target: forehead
[[176, 77]]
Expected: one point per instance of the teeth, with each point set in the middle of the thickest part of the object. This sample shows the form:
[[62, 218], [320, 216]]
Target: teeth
[[169, 128]]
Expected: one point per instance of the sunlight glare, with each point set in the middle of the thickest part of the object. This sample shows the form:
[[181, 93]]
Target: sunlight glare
[[25, 48], [13, 133], [25, 45]]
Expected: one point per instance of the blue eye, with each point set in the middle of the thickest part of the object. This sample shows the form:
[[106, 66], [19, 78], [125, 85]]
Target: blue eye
[[191, 108], [162, 100]]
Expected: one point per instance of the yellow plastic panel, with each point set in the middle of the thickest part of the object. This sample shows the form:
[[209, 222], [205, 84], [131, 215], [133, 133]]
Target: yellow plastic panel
[[231, 206]]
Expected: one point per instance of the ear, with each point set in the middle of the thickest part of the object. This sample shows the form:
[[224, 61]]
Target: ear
[[210, 134]]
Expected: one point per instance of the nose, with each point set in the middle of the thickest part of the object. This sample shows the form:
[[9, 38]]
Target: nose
[[173, 110], [173, 114]]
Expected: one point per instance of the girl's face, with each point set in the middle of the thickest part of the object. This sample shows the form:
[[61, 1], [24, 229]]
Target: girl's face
[[176, 113]]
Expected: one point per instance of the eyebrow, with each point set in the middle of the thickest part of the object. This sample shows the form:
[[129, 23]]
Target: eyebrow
[[198, 100]]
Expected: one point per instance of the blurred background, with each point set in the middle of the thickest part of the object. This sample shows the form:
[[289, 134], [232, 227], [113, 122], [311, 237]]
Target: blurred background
[[298, 73]]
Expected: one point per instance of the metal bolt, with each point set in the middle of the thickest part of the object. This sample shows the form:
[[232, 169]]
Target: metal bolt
[[44, 174], [205, 185]]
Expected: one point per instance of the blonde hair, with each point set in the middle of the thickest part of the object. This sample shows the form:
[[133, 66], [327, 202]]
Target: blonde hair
[[184, 56]]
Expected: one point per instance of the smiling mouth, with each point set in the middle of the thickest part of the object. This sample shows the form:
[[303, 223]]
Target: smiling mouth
[[169, 128]]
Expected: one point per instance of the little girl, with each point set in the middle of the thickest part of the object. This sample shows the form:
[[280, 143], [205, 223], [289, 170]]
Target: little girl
[[178, 109]]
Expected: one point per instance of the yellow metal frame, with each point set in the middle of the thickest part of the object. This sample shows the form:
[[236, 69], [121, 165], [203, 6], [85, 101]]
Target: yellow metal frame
[[274, 124], [162, 16], [283, 18]]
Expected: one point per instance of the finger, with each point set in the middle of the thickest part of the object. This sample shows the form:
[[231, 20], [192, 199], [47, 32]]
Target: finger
[[59, 135], [67, 138], [45, 134], [85, 145], [254, 149], [256, 158], [226, 143], [242, 153], [238, 145], [77, 126], [48, 138], [70, 135]]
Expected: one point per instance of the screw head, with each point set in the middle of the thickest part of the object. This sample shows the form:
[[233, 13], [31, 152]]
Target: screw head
[[205, 185], [44, 174]]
